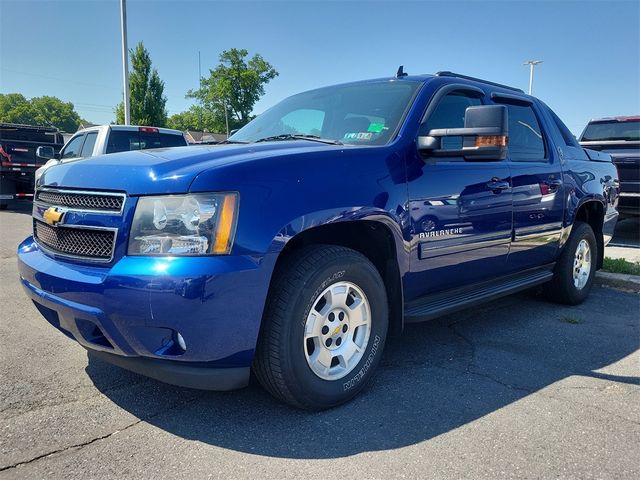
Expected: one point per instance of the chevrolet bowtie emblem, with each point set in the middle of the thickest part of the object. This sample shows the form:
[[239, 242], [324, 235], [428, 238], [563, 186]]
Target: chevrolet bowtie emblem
[[52, 216]]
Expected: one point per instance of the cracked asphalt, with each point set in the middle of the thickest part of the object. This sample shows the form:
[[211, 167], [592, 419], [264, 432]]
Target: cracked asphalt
[[516, 388]]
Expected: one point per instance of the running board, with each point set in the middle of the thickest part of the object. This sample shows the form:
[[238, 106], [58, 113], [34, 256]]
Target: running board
[[439, 304]]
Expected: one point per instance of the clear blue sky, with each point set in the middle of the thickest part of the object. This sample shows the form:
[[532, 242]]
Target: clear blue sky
[[71, 49]]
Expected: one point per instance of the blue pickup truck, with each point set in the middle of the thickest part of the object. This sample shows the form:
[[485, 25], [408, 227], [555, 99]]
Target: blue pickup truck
[[317, 230]]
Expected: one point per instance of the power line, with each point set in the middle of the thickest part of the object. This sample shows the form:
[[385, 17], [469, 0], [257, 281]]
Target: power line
[[56, 78]]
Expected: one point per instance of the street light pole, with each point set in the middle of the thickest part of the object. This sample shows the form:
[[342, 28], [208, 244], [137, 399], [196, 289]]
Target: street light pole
[[125, 61], [531, 63]]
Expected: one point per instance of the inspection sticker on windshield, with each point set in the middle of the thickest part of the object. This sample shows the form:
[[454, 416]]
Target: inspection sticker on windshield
[[375, 127], [358, 136]]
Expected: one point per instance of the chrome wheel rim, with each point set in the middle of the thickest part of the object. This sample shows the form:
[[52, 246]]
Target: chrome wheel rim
[[582, 265], [337, 330]]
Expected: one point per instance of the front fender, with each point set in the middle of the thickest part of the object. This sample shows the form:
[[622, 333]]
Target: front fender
[[394, 222], [284, 195]]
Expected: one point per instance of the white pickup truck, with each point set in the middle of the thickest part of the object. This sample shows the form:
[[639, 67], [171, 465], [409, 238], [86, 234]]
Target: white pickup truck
[[102, 139]]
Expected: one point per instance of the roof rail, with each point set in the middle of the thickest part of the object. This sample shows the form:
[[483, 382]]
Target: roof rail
[[457, 75]]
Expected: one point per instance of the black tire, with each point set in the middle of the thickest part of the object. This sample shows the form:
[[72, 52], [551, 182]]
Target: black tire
[[280, 363], [562, 288]]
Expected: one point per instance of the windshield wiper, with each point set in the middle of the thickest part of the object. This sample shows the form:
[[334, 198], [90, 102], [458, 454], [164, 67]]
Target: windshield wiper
[[232, 141], [296, 136]]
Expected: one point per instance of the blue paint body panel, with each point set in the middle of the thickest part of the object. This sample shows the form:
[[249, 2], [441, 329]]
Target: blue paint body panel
[[449, 228]]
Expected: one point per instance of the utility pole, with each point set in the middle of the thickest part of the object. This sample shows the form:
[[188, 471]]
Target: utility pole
[[531, 63], [226, 116], [200, 87], [125, 61]]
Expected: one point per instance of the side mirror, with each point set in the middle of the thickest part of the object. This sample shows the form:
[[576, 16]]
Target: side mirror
[[45, 152], [484, 136], [233, 132]]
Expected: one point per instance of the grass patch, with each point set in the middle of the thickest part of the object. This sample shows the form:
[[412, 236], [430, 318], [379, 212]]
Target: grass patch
[[571, 320], [620, 265]]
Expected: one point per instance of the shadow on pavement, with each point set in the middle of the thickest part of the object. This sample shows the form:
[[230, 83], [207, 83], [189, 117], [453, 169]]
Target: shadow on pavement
[[627, 233], [24, 207], [435, 378]]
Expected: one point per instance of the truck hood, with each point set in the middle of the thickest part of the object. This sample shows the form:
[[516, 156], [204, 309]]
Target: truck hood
[[169, 170]]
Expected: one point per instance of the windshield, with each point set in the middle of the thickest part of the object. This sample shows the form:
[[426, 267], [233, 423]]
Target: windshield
[[361, 114], [612, 130]]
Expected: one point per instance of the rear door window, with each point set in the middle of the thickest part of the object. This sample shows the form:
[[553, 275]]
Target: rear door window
[[526, 143], [89, 143]]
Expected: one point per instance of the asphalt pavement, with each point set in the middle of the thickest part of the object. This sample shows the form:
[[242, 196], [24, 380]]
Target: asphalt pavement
[[519, 387]]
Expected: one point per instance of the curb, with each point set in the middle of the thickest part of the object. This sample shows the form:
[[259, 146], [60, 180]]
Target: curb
[[619, 281]]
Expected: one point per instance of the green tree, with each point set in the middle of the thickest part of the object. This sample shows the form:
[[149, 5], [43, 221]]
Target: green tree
[[196, 118], [147, 102], [235, 85], [15, 108]]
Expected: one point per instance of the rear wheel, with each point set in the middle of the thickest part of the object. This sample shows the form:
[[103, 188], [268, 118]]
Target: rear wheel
[[324, 328], [576, 267]]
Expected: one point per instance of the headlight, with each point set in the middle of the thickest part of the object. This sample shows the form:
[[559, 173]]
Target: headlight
[[194, 224]]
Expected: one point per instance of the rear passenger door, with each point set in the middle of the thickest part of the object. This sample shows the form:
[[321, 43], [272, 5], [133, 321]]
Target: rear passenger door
[[538, 204], [460, 211]]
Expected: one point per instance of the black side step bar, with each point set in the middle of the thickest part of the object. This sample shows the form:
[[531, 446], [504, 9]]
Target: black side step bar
[[438, 304]]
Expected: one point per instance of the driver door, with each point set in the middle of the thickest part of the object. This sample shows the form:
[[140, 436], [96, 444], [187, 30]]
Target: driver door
[[461, 210]]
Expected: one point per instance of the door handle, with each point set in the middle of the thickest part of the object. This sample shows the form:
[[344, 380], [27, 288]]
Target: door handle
[[496, 186]]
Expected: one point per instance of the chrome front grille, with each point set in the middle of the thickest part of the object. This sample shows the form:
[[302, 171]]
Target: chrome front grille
[[85, 201], [87, 243]]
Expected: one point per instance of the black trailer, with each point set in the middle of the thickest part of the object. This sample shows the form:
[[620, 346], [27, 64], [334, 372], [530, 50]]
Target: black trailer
[[18, 159]]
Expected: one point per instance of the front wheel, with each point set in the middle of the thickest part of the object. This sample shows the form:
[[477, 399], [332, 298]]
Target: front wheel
[[324, 327], [575, 270]]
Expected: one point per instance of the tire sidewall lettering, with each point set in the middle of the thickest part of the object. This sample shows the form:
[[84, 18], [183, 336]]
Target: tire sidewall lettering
[[328, 281], [368, 363], [357, 378]]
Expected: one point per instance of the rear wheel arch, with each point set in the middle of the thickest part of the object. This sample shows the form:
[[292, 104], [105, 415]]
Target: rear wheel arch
[[592, 213]]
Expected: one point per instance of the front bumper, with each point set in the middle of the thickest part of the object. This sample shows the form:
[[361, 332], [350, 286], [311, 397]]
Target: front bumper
[[190, 321]]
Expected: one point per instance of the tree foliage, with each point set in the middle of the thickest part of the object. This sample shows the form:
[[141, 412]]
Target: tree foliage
[[235, 84], [197, 118], [15, 108], [147, 102]]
